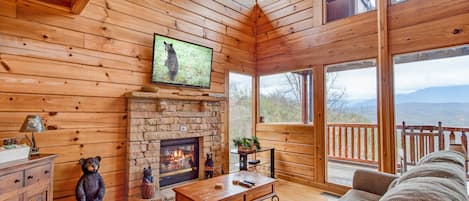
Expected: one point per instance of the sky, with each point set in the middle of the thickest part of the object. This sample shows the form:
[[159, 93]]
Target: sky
[[361, 84], [408, 77]]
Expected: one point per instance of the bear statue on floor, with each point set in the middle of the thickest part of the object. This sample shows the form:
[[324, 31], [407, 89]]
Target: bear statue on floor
[[90, 187]]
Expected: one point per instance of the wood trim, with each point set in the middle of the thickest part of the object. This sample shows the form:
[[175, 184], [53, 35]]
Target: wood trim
[[78, 6], [304, 98], [320, 122], [176, 96], [386, 129], [226, 151]]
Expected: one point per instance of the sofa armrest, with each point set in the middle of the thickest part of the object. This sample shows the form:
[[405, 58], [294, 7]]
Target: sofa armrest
[[372, 181]]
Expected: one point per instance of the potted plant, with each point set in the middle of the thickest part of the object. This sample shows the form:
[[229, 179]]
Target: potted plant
[[246, 145]]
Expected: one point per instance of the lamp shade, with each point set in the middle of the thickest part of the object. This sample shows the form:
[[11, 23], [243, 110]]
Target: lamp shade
[[33, 123]]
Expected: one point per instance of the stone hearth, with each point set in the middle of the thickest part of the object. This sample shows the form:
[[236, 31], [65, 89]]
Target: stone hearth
[[154, 117]]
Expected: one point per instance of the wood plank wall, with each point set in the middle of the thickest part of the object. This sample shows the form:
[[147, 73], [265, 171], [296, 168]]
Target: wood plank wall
[[288, 37], [74, 69], [291, 35], [294, 150]]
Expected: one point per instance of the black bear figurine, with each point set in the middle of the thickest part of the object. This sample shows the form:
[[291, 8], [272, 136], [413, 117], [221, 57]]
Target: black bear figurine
[[90, 187], [209, 166], [147, 187], [171, 61]]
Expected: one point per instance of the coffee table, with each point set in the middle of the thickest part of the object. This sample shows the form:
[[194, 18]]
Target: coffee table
[[204, 190]]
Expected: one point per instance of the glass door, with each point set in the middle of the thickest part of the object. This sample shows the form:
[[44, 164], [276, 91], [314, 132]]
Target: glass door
[[240, 112], [352, 129]]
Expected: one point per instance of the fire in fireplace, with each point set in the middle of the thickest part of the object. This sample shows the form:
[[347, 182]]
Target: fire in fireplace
[[179, 160]]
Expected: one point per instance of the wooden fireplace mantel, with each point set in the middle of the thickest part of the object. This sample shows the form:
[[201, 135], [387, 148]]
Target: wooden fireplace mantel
[[174, 96]]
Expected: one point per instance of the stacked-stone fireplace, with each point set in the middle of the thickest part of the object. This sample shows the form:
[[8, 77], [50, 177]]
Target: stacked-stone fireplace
[[172, 134]]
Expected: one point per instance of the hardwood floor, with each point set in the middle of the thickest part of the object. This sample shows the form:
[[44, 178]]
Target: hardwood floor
[[289, 191]]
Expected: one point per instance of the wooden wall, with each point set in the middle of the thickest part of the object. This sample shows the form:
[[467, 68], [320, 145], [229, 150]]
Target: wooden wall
[[291, 35], [74, 69], [294, 150]]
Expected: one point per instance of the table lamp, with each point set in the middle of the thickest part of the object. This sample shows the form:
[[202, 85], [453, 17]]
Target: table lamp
[[33, 123]]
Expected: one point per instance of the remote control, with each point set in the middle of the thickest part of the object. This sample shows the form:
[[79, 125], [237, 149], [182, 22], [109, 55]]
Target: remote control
[[247, 185]]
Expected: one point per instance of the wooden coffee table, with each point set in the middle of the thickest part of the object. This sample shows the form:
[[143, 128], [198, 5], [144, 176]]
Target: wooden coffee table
[[204, 190]]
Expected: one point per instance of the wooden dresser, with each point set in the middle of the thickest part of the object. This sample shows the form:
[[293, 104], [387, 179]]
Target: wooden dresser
[[28, 179]]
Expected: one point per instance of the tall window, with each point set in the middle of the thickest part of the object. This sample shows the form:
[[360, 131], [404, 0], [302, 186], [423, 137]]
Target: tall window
[[352, 131], [430, 88], [286, 97], [338, 9], [240, 112]]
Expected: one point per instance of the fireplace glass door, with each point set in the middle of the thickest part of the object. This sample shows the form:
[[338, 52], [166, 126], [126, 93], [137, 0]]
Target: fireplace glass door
[[178, 160]]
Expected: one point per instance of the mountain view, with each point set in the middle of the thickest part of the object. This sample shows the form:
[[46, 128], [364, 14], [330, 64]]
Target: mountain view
[[450, 105]]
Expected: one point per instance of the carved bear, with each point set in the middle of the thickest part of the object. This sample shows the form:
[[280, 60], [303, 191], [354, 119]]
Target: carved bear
[[209, 166], [90, 187], [171, 61]]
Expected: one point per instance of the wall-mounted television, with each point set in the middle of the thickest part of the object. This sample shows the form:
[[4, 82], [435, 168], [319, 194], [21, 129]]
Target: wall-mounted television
[[177, 62]]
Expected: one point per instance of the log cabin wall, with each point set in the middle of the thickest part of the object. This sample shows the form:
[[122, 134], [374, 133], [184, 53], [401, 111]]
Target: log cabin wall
[[74, 70], [294, 150], [291, 36]]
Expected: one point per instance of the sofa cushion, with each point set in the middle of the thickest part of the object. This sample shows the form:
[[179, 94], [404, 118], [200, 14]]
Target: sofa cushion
[[358, 195], [454, 157], [426, 189], [440, 170]]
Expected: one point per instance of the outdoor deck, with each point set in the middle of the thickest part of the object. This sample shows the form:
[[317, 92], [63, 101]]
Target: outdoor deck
[[342, 173], [355, 146]]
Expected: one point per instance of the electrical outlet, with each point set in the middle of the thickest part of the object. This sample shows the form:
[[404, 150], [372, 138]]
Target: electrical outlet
[[183, 128]]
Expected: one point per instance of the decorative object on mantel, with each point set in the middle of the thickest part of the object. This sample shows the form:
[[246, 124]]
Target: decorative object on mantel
[[209, 166], [33, 123], [148, 188], [247, 145], [90, 187]]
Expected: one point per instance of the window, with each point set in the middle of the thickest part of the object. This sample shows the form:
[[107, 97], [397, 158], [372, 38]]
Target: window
[[286, 97], [240, 112], [338, 9], [352, 130], [430, 87]]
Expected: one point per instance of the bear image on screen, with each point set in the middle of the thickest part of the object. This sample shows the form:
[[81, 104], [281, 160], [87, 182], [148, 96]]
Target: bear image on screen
[[181, 63]]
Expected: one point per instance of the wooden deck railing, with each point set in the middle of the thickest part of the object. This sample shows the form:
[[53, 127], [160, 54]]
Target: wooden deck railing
[[359, 142], [353, 142]]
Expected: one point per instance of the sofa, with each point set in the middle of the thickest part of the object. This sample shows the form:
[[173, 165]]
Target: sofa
[[438, 176]]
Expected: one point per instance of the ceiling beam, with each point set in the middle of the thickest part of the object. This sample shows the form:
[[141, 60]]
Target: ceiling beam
[[70, 6], [78, 6]]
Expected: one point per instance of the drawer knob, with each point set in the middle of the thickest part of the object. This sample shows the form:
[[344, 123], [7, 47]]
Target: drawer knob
[[46, 172], [30, 177], [17, 181]]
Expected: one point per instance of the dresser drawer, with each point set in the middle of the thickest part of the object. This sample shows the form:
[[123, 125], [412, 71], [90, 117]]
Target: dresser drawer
[[11, 182], [37, 174]]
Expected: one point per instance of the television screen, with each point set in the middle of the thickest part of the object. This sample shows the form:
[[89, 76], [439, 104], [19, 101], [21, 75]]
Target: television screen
[[178, 62]]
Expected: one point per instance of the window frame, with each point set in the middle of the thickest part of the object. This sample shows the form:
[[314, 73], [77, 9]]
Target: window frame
[[307, 116], [324, 11]]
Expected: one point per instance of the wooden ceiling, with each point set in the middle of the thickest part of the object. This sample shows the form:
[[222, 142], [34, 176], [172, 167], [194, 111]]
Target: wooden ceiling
[[72, 6]]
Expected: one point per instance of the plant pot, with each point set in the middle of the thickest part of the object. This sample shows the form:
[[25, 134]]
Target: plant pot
[[242, 149]]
